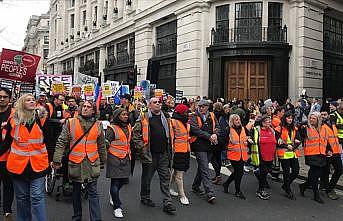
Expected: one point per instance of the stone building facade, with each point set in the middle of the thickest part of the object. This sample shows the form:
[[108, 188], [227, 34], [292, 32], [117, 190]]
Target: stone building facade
[[220, 48]]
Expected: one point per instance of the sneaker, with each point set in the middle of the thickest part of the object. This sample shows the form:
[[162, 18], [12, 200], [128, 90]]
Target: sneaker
[[263, 195], [148, 202], [332, 195], [8, 217], [246, 169], [211, 199], [118, 213], [184, 200], [169, 208], [173, 192]]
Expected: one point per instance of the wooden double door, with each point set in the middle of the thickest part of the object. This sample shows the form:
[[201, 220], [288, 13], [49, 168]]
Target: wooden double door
[[246, 79]]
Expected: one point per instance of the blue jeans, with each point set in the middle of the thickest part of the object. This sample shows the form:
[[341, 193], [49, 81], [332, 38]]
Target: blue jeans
[[30, 196], [94, 205], [116, 185]]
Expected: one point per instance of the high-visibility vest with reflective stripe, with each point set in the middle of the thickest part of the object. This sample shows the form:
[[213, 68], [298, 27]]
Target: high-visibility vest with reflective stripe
[[237, 146], [27, 147], [120, 146], [67, 114], [332, 138], [284, 153], [194, 138], [255, 155], [315, 142], [145, 129], [88, 144], [339, 123], [180, 136], [4, 156]]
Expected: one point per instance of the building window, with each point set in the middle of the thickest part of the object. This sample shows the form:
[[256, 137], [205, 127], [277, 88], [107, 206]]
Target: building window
[[132, 49], [248, 21], [333, 34], [84, 17], [45, 53], [110, 56], [72, 3], [95, 16], [105, 10], [122, 55], [72, 19], [222, 23], [166, 38], [56, 7], [46, 39], [274, 21]]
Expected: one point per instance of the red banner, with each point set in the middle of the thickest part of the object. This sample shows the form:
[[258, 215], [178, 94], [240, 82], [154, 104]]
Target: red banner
[[18, 65]]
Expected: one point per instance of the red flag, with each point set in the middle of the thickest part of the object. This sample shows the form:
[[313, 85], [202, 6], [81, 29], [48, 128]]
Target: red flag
[[98, 100]]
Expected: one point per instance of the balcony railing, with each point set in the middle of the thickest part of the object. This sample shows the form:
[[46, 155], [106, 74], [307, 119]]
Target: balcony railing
[[249, 35]]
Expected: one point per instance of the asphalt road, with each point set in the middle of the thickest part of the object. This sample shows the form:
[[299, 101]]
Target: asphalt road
[[227, 207]]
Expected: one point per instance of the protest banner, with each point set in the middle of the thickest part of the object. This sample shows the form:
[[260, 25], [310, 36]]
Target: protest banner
[[82, 79], [57, 88], [18, 65], [178, 97], [138, 93], [76, 91], [159, 93], [88, 90], [44, 82], [107, 90]]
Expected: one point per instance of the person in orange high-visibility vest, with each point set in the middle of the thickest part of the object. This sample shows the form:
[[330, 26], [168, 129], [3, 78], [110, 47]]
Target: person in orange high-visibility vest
[[85, 137], [118, 137], [180, 129], [333, 156], [237, 138], [314, 145], [8, 193], [72, 108], [27, 161], [288, 151]]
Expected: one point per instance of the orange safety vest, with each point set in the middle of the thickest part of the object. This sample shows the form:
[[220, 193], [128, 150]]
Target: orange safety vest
[[120, 146], [4, 156], [67, 114], [27, 147], [180, 136], [333, 138], [88, 144], [315, 142], [145, 129], [285, 139], [237, 146], [194, 138]]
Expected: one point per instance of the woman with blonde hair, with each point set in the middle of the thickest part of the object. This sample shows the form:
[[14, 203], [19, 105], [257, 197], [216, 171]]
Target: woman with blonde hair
[[314, 144], [28, 158], [237, 138]]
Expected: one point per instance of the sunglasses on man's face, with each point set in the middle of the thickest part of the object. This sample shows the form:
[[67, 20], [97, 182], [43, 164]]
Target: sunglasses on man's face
[[156, 102]]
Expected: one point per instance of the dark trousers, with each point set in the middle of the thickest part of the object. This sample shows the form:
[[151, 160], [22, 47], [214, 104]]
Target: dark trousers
[[314, 173], [116, 185], [216, 161], [203, 173], [290, 168], [7, 187], [336, 162], [264, 168], [94, 205], [160, 163], [236, 175]]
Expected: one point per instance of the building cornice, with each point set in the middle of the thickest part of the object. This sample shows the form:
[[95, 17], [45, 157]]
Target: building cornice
[[191, 6], [316, 3]]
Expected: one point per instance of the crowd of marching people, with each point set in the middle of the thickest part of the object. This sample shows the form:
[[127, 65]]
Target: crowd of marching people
[[80, 138]]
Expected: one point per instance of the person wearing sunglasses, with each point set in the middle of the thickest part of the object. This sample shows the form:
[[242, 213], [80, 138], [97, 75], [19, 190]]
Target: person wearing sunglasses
[[151, 136]]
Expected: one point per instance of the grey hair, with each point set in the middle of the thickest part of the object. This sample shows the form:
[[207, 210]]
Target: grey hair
[[231, 118]]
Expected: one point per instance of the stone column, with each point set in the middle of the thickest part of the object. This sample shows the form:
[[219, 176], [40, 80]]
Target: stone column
[[121, 4], [76, 66], [77, 19], [99, 18]]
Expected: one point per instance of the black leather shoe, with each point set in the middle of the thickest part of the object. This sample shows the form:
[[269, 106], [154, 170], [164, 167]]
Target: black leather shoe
[[169, 208], [148, 202], [240, 196], [317, 198], [226, 188], [198, 191]]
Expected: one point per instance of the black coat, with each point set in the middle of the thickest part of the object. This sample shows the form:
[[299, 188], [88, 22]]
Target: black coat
[[203, 134]]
